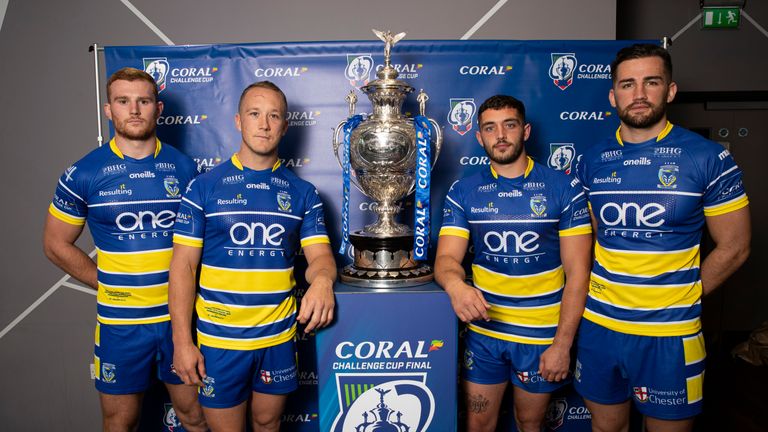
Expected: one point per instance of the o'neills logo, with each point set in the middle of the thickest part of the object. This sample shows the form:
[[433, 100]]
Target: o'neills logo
[[359, 68]]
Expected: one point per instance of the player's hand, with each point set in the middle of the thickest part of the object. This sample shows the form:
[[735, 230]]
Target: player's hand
[[189, 364], [468, 303], [317, 305], [554, 363]]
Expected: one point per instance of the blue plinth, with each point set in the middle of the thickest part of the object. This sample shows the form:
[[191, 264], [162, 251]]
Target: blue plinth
[[388, 359]]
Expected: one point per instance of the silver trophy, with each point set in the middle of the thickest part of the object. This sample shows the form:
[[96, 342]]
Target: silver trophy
[[383, 157]]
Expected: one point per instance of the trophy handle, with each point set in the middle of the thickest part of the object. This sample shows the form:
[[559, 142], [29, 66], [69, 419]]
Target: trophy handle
[[336, 146]]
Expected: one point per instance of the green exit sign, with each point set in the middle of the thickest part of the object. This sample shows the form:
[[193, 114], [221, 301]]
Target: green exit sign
[[721, 17]]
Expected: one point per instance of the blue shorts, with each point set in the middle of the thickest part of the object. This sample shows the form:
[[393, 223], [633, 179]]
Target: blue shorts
[[488, 360], [233, 374], [664, 375], [127, 358]]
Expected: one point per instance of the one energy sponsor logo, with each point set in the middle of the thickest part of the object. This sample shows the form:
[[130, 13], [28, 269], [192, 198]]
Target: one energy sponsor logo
[[280, 72], [584, 115], [400, 402], [634, 220], [174, 120], [359, 68], [164, 74], [144, 224], [484, 70], [256, 239], [461, 114], [562, 68], [561, 156], [302, 118], [405, 70]]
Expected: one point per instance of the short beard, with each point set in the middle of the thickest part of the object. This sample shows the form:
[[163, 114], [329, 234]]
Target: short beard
[[505, 159], [141, 135], [644, 121]]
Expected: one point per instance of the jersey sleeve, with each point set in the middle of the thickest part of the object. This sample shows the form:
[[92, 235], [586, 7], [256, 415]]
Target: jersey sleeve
[[313, 229], [69, 203], [724, 191], [574, 218], [454, 218], [189, 229]]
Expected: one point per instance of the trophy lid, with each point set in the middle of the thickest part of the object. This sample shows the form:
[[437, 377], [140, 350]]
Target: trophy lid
[[388, 74]]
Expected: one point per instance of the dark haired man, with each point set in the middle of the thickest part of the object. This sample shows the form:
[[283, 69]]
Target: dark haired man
[[245, 221], [128, 193], [652, 187], [530, 229]]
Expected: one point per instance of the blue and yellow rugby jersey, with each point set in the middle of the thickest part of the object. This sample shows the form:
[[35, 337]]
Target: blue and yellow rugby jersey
[[250, 225], [650, 200], [130, 206], [515, 225]]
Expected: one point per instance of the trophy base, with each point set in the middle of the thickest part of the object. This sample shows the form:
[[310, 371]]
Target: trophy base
[[384, 262]]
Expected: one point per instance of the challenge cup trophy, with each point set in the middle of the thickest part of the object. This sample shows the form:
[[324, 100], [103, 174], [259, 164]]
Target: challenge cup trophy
[[390, 156]]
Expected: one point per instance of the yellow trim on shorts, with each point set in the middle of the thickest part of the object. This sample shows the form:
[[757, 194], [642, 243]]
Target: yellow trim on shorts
[[695, 388], [694, 350]]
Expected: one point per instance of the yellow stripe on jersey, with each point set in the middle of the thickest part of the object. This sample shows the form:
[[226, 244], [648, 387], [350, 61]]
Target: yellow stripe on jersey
[[577, 230], [64, 217], [727, 207], [695, 388], [245, 344], [646, 264], [247, 281], [528, 316], [694, 350], [135, 262], [511, 338], [244, 316], [643, 297], [318, 239], [127, 296], [645, 329], [518, 286], [133, 321], [187, 241], [454, 231]]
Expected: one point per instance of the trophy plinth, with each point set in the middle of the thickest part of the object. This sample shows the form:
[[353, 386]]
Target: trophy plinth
[[384, 262], [382, 153]]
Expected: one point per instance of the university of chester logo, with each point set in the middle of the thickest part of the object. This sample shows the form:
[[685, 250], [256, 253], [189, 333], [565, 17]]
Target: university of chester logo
[[562, 69], [266, 377], [641, 394], [359, 67], [524, 377], [461, 114], [668, 176], [158, 68], [561, 156]]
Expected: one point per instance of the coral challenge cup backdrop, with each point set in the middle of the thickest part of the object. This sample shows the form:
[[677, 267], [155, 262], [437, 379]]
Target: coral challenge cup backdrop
[[564, 85]]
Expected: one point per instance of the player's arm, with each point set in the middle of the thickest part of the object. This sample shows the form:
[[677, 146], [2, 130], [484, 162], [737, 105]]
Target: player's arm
[[576, 256], [59, 246], [318, 303], [731, 233], [187, 359], [467, 301]]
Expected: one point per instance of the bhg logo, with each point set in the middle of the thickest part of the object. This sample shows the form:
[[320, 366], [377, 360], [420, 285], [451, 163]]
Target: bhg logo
[[507, 241], [129, 221], [256, 233], [624, 214]]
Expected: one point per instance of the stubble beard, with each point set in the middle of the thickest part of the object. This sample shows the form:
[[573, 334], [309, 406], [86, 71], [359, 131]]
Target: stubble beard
[[504, 159], [644, 121], [135, 135]]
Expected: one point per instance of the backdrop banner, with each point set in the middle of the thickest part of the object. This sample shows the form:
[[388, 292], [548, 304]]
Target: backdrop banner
[[564, 85]]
